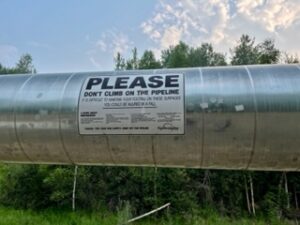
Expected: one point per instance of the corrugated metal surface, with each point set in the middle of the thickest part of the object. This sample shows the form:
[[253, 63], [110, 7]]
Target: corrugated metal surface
[[245, 117]]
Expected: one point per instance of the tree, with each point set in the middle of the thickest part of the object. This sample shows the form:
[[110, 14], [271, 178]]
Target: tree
[[183, 55], [205, 56], [119, 62], [4, 70], [245, 52], [24, 65], [22, 186], [133, 63], [267, 53], [289, 58], [148, 61], [177, 56]]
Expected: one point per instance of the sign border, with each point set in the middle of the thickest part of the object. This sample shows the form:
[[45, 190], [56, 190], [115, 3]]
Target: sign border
[[150, 134]]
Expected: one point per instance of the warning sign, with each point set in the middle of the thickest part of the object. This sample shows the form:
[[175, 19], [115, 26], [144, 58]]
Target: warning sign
[[133, 104]]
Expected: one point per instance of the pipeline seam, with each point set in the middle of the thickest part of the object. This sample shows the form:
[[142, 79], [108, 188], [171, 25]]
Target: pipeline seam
[[111, 153], [105, 135], [202, 118], [15, 117], [255, 119], [298, 66], [109, 149], [59, 120], [153, 151], [152, 143]]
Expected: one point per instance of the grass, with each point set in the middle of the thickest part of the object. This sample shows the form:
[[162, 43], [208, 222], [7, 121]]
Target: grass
[[10, 216], [46, 217]]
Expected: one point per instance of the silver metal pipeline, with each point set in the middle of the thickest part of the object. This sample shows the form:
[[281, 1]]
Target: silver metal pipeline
[[241, 117]]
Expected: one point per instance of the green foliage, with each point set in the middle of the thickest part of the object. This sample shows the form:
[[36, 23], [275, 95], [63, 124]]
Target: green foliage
[[180, 55], [289, 58], [29, 186], [205, 56], [177, 56], [269, 204], [183, 55], [119, 62], [267, 53], [24, 65], [5, 70], [246, 52], [22, 186], [133, 63], [148, 61], [124, 213], [228, 189], [61, 191]]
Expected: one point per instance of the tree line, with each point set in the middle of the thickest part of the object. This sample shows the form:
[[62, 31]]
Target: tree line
[[24, 65], [228, 192], [246, 52]]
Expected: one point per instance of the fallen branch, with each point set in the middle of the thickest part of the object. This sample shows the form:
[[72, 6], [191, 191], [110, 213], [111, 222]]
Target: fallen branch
[[148, 213]]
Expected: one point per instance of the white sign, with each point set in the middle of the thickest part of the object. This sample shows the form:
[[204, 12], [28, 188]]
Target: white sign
[[133, 104]]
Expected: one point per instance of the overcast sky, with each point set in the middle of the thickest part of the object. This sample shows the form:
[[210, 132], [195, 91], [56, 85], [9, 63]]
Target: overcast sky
[[75, 35]]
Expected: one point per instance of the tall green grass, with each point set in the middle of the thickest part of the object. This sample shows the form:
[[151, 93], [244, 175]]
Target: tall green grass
[[47, 217], [10, 216]]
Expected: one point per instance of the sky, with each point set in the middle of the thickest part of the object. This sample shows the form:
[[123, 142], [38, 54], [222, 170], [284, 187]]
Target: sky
[[76, 35]]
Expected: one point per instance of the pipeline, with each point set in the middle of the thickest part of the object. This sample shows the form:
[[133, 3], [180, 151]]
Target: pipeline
[[233, 117]]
